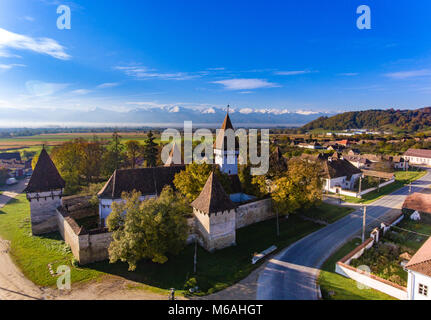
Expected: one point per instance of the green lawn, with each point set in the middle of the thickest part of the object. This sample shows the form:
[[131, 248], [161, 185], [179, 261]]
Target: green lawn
[[33, 254], [215, 271], [402, 178], [327, 212], [343, 288]]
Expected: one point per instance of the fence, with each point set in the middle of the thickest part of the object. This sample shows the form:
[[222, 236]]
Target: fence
[[343, 267]]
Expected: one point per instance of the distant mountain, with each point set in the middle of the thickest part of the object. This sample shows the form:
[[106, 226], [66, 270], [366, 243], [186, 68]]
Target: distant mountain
[[397, 120], [159, 116]]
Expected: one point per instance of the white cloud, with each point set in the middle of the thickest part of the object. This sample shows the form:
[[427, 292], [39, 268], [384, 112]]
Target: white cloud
[[175, 109], [10, 66], [40, 89], [108, 85], [409, 74], [28, 18], [216, 69], [81, 91], [10, 40], [146, 73], [291, 73], [246, 84], [348, 74]]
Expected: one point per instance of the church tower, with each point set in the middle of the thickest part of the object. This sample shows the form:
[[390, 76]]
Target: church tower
[[44, 192], [224, 155]]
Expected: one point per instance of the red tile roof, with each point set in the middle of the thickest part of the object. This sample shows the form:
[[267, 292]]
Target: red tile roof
[[419, 202], [421, 261], [420, 153]]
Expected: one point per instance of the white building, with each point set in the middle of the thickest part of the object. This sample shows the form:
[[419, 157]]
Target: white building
[[418, 156], [419, 274], [339, 174]]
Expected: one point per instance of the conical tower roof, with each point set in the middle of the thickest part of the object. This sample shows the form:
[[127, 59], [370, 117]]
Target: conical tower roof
[[221, 139], [213, 198], [45, 176]]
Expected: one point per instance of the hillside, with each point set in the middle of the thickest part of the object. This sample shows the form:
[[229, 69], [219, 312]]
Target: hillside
[[397, 120]]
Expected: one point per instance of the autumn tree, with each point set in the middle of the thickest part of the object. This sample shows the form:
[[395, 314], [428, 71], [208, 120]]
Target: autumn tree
[[150, 229], [91, 162], [133, 150], [68, 160], [190, 182], [301, 187], [150, 150]]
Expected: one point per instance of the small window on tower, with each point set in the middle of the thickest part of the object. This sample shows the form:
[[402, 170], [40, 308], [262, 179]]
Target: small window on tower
[[423, 289]]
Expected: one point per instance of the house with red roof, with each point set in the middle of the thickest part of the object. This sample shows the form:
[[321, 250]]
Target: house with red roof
[[419, 273], [418, 156]]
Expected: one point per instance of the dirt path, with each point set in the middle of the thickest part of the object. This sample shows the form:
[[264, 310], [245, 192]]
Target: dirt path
[[15, 286]]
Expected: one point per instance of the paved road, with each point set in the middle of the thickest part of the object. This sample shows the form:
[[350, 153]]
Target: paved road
[[292, 275]]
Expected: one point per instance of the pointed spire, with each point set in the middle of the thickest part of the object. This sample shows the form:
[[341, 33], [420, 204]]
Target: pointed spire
[[45, 176], [213, 197], [220, 139], [172, 155]]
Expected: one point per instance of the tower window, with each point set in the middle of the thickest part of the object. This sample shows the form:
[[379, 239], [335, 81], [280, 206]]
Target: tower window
[[423, 289]]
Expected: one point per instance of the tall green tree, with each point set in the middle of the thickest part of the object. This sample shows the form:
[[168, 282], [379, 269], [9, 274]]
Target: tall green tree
[[190, 182], [114, 156], [150, 151], [133, 150], [151, 229]]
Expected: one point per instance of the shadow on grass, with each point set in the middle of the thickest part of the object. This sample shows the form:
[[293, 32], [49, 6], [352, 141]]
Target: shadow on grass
[[217, 270], [9, 201]]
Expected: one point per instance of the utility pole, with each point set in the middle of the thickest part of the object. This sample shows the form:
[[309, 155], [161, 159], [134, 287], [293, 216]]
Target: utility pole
[[360, 184], [195, 259], [278, 226], [364, 218]]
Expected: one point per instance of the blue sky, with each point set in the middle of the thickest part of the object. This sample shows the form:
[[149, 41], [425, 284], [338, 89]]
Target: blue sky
[[281, 55]]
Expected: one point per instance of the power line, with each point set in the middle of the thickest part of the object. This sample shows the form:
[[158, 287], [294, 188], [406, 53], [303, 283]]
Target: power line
[[394, 226]]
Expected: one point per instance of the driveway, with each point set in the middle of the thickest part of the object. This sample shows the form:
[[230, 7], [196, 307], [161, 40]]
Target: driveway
[[292, 274]]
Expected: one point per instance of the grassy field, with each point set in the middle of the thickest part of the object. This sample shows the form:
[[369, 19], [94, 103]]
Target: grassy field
[[215, 271], [34, 143], [402, 178], [327, 212], [337, 287], [33, 254]]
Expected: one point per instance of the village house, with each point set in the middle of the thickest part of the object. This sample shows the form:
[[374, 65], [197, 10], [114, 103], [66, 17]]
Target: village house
[[419, 266], [339, 174], [312, 145], [418, 156], [216, 214], [419, 273], [358, 161]]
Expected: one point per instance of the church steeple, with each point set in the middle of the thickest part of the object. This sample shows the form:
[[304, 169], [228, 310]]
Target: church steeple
[[226, 158]]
